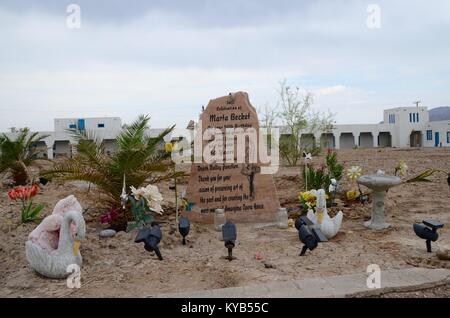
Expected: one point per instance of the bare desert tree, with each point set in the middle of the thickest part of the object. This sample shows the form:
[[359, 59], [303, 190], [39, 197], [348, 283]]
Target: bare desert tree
[[297, 115]]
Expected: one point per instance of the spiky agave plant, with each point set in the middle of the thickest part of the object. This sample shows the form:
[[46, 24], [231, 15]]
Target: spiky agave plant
[[18, 154], [137, 157]]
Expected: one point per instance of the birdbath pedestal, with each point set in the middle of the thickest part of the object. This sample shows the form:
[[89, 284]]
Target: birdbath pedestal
[[379, 183]]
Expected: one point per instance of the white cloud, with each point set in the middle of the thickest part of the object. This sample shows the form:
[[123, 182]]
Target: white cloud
[[169, 59], [330, 90]]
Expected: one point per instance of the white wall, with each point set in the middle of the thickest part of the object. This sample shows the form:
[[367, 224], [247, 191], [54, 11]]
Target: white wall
[[442, 127], [109, 123]]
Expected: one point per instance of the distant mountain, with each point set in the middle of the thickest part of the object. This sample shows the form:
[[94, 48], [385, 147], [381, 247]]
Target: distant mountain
[[439, 113]]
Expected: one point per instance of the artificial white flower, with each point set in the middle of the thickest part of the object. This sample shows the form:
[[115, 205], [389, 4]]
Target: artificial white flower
[[155, 207], [151, 194], [137, 193], [354, 172]]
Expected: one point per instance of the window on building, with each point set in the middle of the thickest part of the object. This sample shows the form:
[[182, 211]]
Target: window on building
[[448, 137], [101, 125], [413, 117], [429, 135], [72, 126], [391, 118]]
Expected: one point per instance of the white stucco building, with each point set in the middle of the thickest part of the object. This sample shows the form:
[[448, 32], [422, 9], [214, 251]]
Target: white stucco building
[[60, 142], [401, 127]]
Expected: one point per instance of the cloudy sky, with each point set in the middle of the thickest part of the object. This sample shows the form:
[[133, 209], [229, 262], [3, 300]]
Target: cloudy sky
[[168, 58]]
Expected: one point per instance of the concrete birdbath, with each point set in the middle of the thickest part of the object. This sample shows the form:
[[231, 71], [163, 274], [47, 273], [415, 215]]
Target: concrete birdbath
[[379, 183]]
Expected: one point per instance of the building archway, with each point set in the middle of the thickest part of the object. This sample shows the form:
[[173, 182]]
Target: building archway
[[384, 139], [366, 140], [327, 141], [415, 139], [307, 141], [62, 149], [41, 149], [109, 146], [347, 141]]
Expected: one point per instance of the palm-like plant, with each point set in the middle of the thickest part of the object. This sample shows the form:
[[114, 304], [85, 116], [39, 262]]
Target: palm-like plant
[[17, 154], [137, 157]]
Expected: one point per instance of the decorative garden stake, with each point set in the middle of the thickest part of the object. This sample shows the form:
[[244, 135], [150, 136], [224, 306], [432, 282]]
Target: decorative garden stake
[[424, 231], [151, 238], [229, 235], [124, 196], [171, 147], [333, 189], [448, 179], [307, 157], [183, 228]]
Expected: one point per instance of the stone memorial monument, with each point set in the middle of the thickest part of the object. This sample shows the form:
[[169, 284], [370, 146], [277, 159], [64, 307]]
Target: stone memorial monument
[[227, 172]]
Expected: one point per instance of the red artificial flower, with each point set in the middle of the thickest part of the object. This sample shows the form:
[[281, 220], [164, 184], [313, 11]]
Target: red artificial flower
[[12, 194], [110, 216], [23, 193], [34, 190]]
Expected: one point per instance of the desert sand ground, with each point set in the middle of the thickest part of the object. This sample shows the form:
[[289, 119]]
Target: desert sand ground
[[118, 267]]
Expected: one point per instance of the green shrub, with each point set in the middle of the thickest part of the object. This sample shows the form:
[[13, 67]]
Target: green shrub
[[320, 178]]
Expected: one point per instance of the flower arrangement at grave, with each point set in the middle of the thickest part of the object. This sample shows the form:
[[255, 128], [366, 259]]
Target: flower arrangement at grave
[[145, 202], [25, 195], [308, 200], [353, 173], [401, 169], [324, 175]]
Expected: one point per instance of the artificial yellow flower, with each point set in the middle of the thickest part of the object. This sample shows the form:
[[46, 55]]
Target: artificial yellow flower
[[291, 223], [352, 195], [401, 168], [168, 147]]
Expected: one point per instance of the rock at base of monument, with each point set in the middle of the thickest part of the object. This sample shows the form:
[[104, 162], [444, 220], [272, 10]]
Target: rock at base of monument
[[107, 233]]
